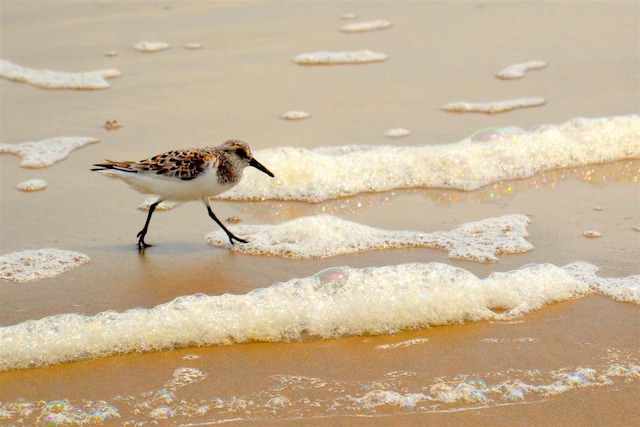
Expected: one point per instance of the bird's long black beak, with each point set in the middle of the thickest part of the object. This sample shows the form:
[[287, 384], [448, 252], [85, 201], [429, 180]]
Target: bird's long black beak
[[256, 164]]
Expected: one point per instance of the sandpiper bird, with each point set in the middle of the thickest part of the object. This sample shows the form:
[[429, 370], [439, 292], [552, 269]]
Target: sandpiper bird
[[185, 175]]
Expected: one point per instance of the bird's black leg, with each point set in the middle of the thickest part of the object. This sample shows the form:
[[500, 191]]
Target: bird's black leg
[[229, 234], [141, 244]]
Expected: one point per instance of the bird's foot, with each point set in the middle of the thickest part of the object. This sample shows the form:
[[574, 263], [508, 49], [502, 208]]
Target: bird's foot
[[233, 237], [142, 245]]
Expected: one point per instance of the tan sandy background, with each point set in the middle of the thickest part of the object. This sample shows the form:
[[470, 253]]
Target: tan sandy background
[[236, 87]]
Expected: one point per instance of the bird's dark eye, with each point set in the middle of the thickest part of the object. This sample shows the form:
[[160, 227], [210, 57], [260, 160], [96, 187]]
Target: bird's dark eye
[[242, 153]]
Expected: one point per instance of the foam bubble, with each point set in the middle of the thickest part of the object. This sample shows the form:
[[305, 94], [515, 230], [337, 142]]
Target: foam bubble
[[193, 46], [516, 71], [183, 377], [286, 397], [626, 289], [402, 344], [162, 206], [112, 125], [340, 171], [44, 153], [149, 47], [493, 107], [48, 79], [32, 185], [295, 115], [324, 236], [30, 265], [62, 412], [358, 27], [331, 58], [497, 134], [396, 133], [365, 301]]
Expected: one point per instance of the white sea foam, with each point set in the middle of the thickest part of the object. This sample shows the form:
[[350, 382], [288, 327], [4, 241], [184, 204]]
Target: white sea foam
[[626, 289], [30, 265], [402, 344], [333, 58], [397, 133], [162, 206], [32, 185], [493, 107], [324, 236], [301, 398], [148, 47], [358, 27], [295, 115], [48, 79], [331, 172], [44, 153], [333, 303], [516, 71], [193, 46]]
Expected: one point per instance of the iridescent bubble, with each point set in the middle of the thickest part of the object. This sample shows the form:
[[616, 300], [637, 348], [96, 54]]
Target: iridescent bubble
[[97, 417], [49, 420], [54, 406], [575, 378], [109, 410], [53, 419], [277, 402], [332, 274], [164, 396], [468, 393], [477, 383], [514, 396], [496, 134], [532, 265], [162, 413]]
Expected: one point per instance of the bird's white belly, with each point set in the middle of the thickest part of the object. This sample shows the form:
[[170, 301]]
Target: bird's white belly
[[205, 185]]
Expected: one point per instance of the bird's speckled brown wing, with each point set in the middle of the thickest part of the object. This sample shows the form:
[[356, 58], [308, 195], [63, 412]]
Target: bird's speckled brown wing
[[182, 164]]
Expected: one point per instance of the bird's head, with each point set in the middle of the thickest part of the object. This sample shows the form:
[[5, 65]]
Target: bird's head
[[239, 151]]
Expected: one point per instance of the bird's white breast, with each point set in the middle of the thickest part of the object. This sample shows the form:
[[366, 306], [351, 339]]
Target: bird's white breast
[[206, 184]]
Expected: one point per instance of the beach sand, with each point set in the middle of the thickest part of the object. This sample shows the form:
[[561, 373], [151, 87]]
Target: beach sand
[[236, 86]]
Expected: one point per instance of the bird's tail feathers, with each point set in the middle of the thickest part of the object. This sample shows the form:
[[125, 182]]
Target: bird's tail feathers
[[122, 166]]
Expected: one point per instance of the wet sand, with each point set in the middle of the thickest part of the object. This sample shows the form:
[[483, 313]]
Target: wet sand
[[236, 87]]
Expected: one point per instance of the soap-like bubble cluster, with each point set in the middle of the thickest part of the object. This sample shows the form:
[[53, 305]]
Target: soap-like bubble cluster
[[487, 157], [48, 79], [30, 265], [338, 302], [324, 236], [58, 412], [302, 397], [626, 289]]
